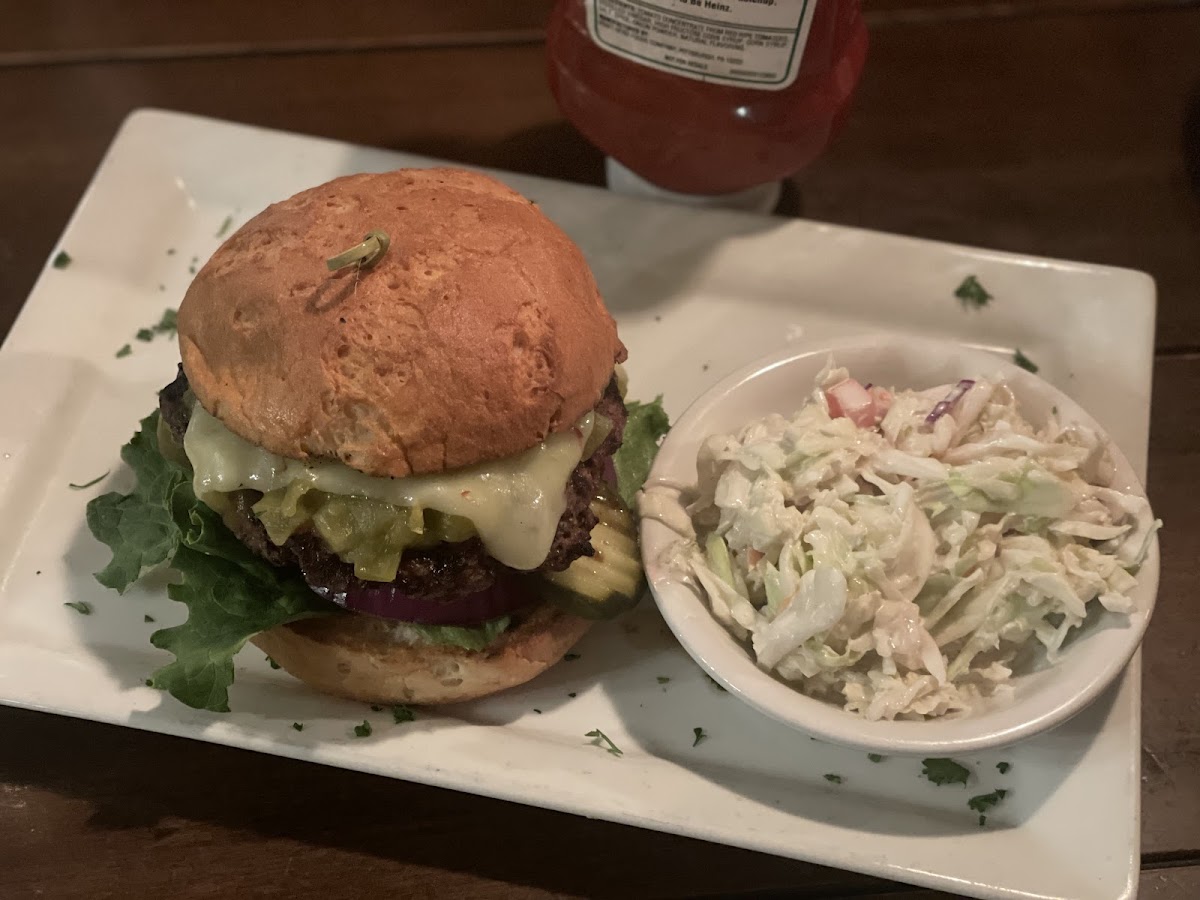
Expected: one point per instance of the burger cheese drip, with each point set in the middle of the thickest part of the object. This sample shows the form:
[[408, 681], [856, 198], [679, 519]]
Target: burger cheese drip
[[513, 504]]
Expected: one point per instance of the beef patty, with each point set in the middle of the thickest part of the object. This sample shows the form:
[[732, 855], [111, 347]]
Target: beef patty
[[440, 572]]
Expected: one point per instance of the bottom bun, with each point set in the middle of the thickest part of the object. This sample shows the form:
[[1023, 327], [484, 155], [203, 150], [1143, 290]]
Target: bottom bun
[[359, 657]]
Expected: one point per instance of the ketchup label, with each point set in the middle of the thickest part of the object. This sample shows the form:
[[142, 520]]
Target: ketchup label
[[748, 43]]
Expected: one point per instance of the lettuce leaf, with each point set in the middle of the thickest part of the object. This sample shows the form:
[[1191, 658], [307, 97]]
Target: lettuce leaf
[[476, 637], [231, 594], [644, 428]]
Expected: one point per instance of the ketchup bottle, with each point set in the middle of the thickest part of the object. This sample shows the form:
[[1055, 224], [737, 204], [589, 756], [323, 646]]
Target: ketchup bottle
[[707, 101]]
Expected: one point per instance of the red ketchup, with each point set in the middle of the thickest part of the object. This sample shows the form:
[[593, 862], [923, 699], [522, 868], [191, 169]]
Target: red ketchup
[[706, 97]]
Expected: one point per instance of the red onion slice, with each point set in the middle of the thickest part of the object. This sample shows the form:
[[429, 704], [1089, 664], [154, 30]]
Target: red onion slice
[[949, 402]]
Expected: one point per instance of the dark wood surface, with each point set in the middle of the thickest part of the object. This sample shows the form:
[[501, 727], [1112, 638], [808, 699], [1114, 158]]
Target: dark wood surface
[[1066, 127]]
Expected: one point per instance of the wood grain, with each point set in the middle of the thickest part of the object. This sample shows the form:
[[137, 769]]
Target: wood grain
[[59, 31], [1171, 661]]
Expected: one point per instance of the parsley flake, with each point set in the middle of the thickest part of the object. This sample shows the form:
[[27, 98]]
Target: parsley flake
[[298, 726], [80, 606], [536, 710], [124, 351], [599, 738], [944, 771], [145, 334], [167, 323], [570, 657], [982, 820], [1003, 767], [875, 757], [62, 259], [87, 484], [662, 679], [1024, 361], [402, 714], [376, 708], [971, 294], [700, 736], [572, 695], [983, 802], [833, 779], [363, 730], [272, 663], [147, 618], [224, 229]]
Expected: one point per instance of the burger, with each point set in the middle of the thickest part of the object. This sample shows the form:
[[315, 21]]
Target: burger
[[390, 455]]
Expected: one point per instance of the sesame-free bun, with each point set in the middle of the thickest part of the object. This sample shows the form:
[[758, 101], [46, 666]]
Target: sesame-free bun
[[360, 657], [478, 332]]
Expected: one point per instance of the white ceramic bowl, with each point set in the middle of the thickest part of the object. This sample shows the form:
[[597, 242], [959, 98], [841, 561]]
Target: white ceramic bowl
[[1044, 695]]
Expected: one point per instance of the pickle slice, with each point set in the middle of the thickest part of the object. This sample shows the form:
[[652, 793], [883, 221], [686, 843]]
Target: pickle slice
[[608, 583]]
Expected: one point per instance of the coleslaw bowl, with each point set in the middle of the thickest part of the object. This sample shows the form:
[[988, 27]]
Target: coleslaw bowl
[[1044, 693]]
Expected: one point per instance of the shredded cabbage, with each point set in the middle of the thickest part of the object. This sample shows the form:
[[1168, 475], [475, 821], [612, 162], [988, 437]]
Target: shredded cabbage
[[897, 566]]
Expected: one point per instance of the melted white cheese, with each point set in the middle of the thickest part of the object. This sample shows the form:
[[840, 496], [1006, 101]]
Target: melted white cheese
[[515, 503]]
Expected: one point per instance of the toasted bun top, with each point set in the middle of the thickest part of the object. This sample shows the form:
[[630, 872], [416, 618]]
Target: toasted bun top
[[479, 331]]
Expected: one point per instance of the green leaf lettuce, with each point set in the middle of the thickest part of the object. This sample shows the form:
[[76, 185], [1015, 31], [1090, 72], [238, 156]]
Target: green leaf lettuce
[[646, 425], [230, 593]]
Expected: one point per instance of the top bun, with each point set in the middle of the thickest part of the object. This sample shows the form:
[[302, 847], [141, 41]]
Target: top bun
[[479, 332]]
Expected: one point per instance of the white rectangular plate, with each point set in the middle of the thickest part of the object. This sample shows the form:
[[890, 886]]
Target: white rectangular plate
[[695, 294]]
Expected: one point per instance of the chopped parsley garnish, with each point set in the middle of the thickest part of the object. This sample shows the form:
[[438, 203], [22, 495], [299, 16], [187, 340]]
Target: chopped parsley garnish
[[167, 324], [298, 726], [699, 736], [536, 710], [87, 484], [875, 757], [147, 618], [983, 802], [599, 738], [376, 708], [971, 294], [145, 334], [1003, 767], [224, 229], [402, 714], [1024, 361], [272, 663], [80, 606], [982, 820], [170, 251], [62, 259], [363, 730], [833, 779], [570, 657], [944, 771], [572, 695], [662, 679], [124, 351]]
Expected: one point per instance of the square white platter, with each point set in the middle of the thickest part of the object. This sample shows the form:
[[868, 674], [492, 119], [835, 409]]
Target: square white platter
[[695, 294]]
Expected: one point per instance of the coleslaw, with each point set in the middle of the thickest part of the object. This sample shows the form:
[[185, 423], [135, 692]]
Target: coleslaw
[[897, 552]]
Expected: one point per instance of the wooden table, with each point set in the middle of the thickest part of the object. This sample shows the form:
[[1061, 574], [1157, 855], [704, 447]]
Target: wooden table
[[1065, 128]]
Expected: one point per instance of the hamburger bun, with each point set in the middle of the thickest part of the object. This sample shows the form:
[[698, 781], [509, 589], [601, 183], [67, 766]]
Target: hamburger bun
[[476, 334], [360, 657]]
